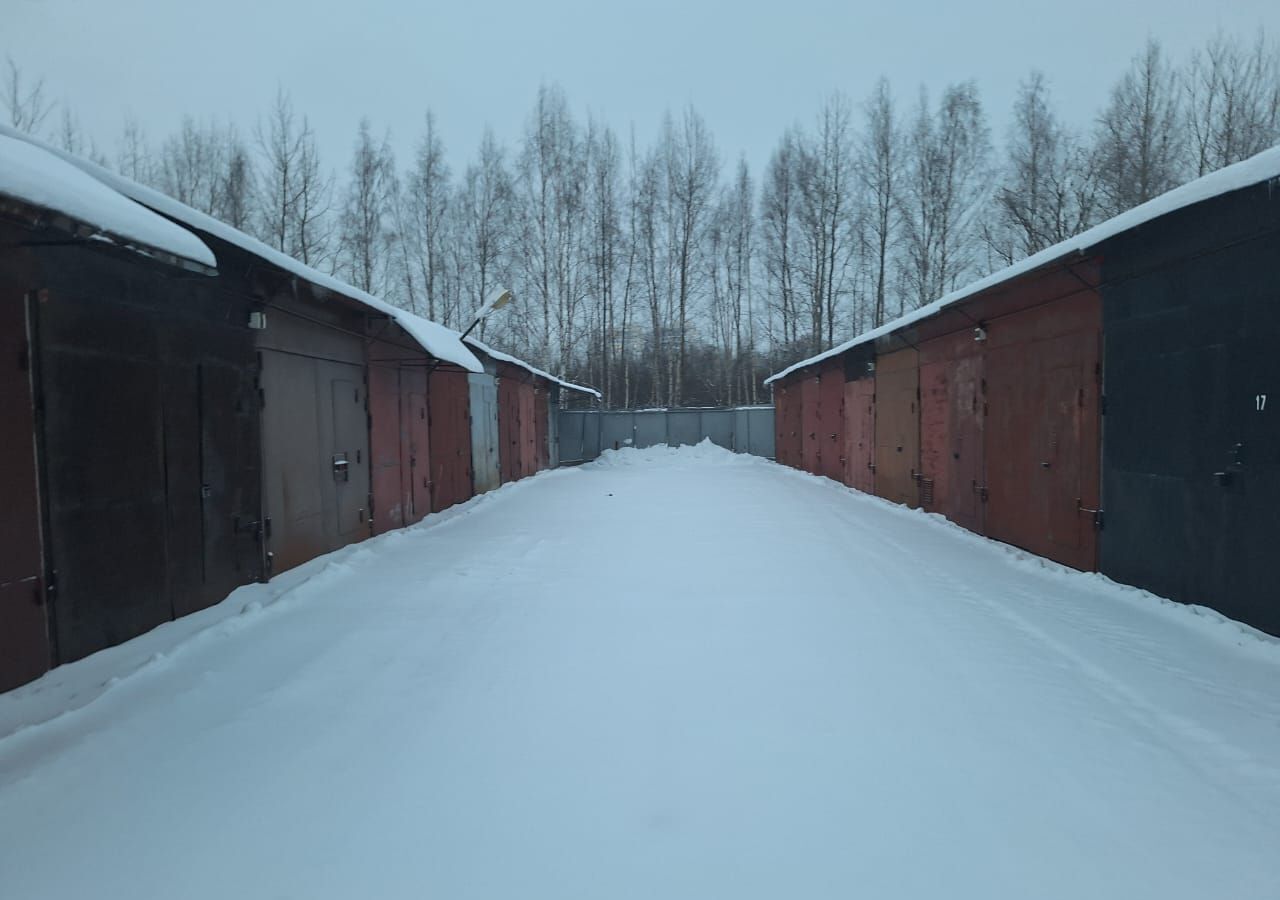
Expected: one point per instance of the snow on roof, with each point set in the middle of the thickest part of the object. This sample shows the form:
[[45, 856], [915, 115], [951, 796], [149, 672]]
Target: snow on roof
[[37, 177], [442, 343], [1265, 166], [506, 358]]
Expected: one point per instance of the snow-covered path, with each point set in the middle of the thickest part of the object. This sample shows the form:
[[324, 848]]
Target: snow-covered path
[[671, 674]]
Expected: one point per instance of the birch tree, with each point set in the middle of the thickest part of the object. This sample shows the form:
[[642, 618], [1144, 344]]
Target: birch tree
[[1232, 100], [1139, 149], [366, 227]]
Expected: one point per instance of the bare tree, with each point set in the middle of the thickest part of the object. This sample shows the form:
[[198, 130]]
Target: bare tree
[[826, 183], [551, 175], [133, 153], [366, 212], [1047, 191], [879, 167], [27, 107], [483, 215], [778, 213], [233, 198], [693, 169], [944, 187], [603, 250], [428, 204], [1139, 147], [1233, 100]]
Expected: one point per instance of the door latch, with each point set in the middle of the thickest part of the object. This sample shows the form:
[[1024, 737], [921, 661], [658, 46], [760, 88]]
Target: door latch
[[1096, 513]]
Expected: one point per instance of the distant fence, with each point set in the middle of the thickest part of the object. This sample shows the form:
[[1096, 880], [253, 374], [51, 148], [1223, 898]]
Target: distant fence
[[585, 433]]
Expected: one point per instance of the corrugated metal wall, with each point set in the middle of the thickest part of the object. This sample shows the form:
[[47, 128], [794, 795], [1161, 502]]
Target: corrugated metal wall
[[583, 433]]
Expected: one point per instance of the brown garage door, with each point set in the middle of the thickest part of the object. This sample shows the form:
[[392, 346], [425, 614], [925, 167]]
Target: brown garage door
[[860, 433], [897, 426]]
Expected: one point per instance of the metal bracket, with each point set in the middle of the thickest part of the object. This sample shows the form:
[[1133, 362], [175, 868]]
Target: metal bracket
[[1097, 514]]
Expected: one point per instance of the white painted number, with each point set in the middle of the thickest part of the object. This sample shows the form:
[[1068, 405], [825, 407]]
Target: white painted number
[[1261, 400]]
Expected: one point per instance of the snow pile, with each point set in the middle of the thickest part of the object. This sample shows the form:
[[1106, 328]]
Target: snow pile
[[439, 341], [660, 675], [39, 178], [507, 358], [1265, 166], [703, 453]]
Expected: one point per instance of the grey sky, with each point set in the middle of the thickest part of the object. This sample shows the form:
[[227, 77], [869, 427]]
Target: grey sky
[[750, 69]]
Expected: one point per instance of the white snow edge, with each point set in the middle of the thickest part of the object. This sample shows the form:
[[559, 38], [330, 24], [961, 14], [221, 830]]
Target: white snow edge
[[1264, 166], [441, 342], [507, 358], [37, 177]]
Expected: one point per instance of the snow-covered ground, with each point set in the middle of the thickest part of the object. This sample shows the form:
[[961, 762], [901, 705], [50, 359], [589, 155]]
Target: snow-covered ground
[[668, 674]]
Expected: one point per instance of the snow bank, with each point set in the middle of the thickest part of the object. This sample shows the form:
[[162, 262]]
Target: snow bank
[[37, 177], [439, 341], [1265, 166], [507, 358], [703, 453]]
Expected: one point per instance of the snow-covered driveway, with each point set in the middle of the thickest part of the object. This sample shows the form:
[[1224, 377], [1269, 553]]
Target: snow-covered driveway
[[671, 674]]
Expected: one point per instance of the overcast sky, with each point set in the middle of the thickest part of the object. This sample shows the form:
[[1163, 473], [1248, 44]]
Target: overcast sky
[[751, 70]]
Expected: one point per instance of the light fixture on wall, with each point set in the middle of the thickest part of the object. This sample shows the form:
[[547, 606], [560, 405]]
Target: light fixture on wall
[[980, 333], [496, 300], [258, 320]]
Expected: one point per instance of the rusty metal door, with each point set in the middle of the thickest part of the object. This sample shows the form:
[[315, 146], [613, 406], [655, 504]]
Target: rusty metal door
[[810, 424], [388, 440], [831, 416], [1041, 448], [898, 427], [24, 638], [509, 428], [528, 432], [541, 419], [788, 413], [951, 426], [418, 450], [860, 434], [450, 426]]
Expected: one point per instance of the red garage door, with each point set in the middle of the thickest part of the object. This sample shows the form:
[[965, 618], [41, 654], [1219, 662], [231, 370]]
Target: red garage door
[[1042, 429], [951, 428]]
